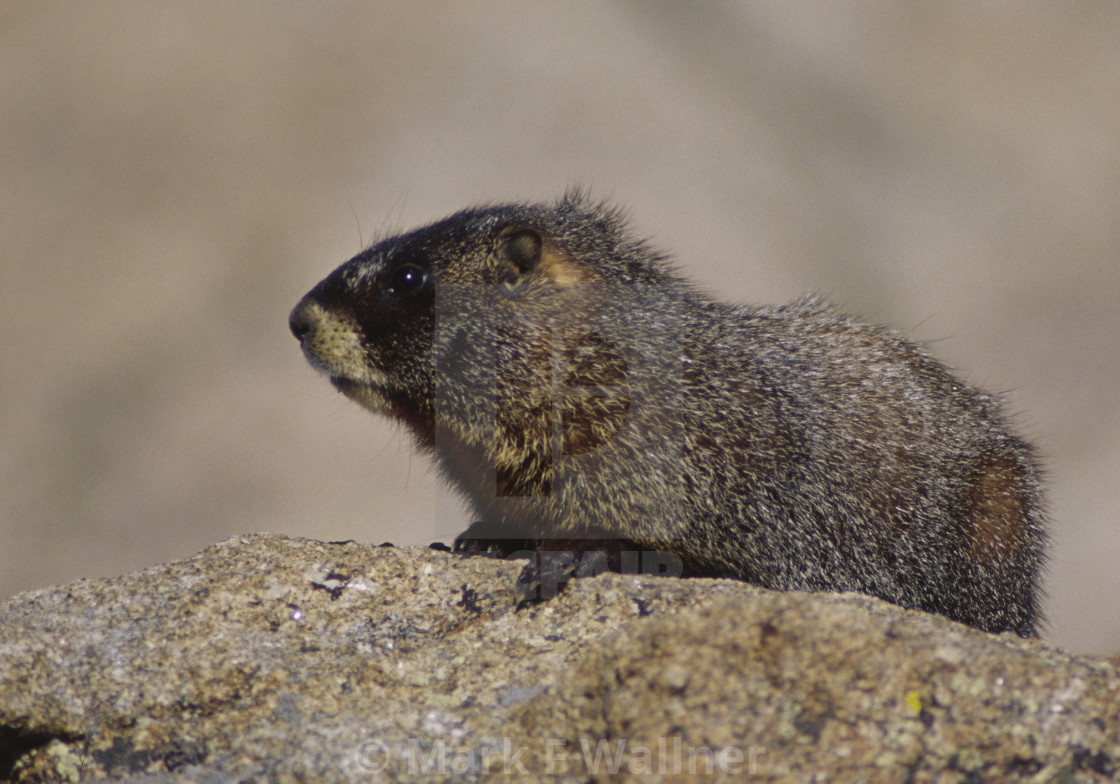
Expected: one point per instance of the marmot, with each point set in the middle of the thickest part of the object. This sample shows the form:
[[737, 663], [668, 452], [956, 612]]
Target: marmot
[[572, 386]]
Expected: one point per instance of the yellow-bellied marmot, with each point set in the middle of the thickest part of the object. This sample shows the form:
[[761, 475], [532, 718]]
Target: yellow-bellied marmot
[[571, 385]]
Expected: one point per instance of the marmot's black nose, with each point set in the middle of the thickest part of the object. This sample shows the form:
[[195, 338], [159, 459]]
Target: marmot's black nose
[[298, 321]]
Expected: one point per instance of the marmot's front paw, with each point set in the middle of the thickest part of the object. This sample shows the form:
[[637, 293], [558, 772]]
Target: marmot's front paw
[[484, 539]]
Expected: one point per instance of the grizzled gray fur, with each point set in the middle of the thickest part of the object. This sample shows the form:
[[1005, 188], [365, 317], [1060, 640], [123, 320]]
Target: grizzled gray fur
[[573, 387]]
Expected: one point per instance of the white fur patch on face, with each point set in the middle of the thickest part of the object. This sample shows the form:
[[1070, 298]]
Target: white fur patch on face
[[333, 345]]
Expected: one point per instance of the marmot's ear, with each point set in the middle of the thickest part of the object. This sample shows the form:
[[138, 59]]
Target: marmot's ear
[[520, 252]]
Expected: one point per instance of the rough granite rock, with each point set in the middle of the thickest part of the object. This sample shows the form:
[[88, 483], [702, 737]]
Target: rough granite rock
[[269, 658]]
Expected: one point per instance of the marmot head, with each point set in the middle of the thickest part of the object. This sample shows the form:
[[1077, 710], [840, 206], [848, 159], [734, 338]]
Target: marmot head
[[429, 314]]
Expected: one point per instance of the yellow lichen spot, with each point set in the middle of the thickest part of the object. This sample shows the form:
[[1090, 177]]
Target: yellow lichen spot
[[914, 702]]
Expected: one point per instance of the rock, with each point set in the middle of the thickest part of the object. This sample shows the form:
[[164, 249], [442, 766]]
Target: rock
[[269, 658]]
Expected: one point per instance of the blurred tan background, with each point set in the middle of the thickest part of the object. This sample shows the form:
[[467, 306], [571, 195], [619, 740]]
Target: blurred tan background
[[173, 177]]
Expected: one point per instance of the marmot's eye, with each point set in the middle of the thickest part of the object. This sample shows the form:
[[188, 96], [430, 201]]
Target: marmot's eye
[[406, 279]]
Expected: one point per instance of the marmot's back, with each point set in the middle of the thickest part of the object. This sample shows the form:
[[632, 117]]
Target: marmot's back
[[571, 385]]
